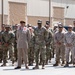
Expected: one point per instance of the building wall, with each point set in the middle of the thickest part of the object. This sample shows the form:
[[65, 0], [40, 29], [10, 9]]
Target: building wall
[[69, 13], [17, 12], [5, 7], [19, 1], [5, 20], [33, 20], [38, 8]]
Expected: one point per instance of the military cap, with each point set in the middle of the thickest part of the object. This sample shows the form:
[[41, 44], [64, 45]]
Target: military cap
[[39, 21], [47, 22], [55, 25], [70, 26], [22, 22], [29, 25], [60, 24]]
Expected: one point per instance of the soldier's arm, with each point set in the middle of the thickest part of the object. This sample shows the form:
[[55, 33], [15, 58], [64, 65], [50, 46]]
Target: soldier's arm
[[50, 37], [55, 38], [28, 36], [45, 35], [12, 38], [2, 39], [65, 41]]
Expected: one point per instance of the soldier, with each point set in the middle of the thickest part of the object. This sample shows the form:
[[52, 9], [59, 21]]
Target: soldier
[[69, 41], [1, 51], [59, 44], [74, 31], [31, 48], [11, 50], [7, 41], [55, 29], [23, 38], [15, 43], [48, 42], [40, 44]]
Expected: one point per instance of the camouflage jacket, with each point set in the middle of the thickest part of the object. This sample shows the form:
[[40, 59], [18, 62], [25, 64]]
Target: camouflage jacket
[[40, 36], [8, 37]]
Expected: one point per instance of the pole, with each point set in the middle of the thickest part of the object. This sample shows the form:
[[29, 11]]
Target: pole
[[50, 11], [2, 14]]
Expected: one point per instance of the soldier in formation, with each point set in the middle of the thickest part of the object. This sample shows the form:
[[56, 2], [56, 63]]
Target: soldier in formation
[[48, 42], [7, 42], [37, 44], [40, 44]]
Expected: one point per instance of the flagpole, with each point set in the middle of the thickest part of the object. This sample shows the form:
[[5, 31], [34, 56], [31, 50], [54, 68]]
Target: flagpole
[[50, 11], [2, 14]]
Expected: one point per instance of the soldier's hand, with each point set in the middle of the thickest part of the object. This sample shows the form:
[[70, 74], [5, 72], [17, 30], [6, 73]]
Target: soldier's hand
[[0, 43], [68, 45], [6, 44], [59, 43]]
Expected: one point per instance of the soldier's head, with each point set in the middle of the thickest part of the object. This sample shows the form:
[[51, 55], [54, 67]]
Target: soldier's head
[[55, 26], [7, 28], [70, 27], [22, 23], [29, 25], [60, 26], [47, 24], [39, 23], [31, 29]]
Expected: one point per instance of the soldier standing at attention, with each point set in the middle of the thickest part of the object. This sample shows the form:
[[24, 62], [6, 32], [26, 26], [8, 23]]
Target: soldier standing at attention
[[59, 44], [48, 42], [40, 44], [69, 41], [15, 43], [23, 38], [1, 51], [31, 48], [7, 41]]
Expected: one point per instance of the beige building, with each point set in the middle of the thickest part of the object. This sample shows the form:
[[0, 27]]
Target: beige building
[[32, 10]]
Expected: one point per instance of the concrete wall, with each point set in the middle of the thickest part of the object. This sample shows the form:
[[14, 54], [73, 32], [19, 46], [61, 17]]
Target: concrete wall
[[69, 13], [38, 8], [5, 6]]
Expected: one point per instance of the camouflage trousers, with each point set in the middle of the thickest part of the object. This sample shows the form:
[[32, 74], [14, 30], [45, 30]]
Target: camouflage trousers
[[15, 52], [7, 50], [11, 53], [60, 53], [5, 56], [1, 55], [40, 50], [48, 53], [31, 55]]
